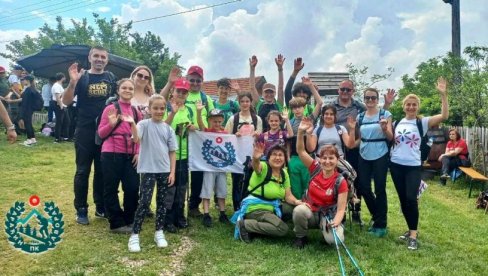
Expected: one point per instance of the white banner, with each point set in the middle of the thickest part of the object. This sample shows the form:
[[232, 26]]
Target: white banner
[[217, 152]]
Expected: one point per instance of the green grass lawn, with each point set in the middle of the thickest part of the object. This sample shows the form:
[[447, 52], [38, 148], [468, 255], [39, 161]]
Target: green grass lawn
[[452, 238]]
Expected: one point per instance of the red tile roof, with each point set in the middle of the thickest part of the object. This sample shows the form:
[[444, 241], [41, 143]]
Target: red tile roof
[[210, 87]]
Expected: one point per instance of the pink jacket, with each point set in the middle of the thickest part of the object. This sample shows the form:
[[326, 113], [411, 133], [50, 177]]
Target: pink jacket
[[120, 140]]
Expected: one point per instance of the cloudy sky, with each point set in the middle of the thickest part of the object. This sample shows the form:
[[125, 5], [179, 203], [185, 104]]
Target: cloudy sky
[[328, 34]]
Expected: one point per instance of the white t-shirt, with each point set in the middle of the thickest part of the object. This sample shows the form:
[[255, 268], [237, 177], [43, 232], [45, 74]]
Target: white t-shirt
[[406, 150], [329, 136], [57, 89], [13, 79], [244, 120]]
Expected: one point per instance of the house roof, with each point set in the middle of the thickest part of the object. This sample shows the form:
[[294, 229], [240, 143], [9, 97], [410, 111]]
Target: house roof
[[328, 82], [210, 87]]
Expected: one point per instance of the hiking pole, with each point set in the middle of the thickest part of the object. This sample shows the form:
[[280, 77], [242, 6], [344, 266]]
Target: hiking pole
[[353, 260], [341, 263]]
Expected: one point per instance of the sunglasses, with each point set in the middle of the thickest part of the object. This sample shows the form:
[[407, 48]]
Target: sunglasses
[[141, 76], [373, 98], [345, 89], [195, 80], [181, 91]]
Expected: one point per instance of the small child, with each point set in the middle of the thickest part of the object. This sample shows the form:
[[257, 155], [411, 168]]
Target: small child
[[275, 136], [213, 180], [157, 162]]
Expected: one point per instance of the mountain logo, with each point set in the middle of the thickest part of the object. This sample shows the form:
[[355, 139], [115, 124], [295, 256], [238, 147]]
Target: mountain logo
[[37, 231], [217, 155]]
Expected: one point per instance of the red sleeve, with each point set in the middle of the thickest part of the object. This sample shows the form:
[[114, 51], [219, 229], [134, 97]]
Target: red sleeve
[[343, 187], [313, 166], [462, 144]]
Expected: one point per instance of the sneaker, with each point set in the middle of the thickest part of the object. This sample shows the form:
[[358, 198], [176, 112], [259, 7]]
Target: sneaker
[[379, 232], [405, 236], [243, 234], [195, 213], [134, 243], [170, 228], [122, 230], [57, 141], [29, 143], [100, 213], [299, 243], [160, 239], [412, 244], [445, 176], [82, 216], [224, 219], [356, 217], [207, 220]]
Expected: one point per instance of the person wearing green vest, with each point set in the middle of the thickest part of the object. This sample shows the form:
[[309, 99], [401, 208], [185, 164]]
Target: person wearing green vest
[[267, 102], [180, 118]]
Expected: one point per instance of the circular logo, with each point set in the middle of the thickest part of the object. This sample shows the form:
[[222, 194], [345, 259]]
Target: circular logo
[[37, 231]]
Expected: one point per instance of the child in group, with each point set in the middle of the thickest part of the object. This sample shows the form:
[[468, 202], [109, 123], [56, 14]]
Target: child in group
[[213, 181], [275, 135], [157, 163]]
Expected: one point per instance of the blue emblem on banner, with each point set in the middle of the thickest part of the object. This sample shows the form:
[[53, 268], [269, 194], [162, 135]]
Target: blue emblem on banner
[[217, 155]]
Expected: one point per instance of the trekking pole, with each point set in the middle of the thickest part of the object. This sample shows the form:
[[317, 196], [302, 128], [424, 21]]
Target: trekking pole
[[341, 263], [353, 260]]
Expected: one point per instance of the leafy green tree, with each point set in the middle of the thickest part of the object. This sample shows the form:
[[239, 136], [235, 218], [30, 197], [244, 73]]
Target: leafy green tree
[[362, 79], [119, 39]]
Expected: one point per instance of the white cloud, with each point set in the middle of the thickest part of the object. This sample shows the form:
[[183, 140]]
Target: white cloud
[[10, 35], [103, 9]]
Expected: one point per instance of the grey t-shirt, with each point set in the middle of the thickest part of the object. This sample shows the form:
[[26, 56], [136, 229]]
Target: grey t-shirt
[[329, 136], [157, 139]]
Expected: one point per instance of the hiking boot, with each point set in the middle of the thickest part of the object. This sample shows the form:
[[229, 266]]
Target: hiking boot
[[170, 228], [82, 216], [299, 243], [379, 232], [356, 218], [160, 239], [445, 176], [412, 244], [195, 213], [224, 219], [207, 220], [100, 213], [122, 230], [134, 245], [243, 234], [405, 236]]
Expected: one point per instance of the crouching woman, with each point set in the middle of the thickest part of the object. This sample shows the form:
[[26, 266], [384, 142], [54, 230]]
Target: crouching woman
[[269, 184], [324, 202]]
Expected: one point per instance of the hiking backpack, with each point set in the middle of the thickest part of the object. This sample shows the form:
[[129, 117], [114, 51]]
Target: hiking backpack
[[482, 200], [381, 115], [203, 98], [266, 180], [98, 139], [37, 101]]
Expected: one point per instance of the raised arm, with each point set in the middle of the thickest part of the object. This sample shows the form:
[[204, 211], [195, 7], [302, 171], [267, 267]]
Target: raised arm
[[284, 116], [305, 125], [442, 88], [349, 136], [199, 107], [389, 98], [11, 134], [133, 127], [74, 77], [174, 74], [297, 66], [253, 61], [256, 157], [280, 60], [316, 96]]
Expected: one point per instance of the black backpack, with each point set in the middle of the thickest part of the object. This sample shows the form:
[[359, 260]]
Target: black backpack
[[98, 139], [37, 101], [266, 180]]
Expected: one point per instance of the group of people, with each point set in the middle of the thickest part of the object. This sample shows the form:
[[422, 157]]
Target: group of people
[[299, 152]]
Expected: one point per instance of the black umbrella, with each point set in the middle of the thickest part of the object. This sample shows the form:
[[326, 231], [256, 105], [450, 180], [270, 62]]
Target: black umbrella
[[58, 58]]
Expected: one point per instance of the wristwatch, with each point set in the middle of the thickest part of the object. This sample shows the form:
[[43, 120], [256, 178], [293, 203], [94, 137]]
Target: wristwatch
[[12, 127]]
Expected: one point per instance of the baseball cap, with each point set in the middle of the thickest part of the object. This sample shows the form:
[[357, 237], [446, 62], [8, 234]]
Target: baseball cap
[[18, 67], [269, 86], [215, 112], [196, 70], [2, 69], [182, 83]]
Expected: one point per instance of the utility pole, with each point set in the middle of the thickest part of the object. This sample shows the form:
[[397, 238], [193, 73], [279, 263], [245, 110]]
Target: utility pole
[[456, 27]]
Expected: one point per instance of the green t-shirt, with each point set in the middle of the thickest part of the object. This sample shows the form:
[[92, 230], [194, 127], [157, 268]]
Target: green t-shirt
[[4, 87], [181, 117], [229, 108], [192, 99], [272, 190], [307, 111]]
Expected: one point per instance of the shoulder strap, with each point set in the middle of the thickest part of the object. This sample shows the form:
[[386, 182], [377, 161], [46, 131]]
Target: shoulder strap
[[337, 184], [420, 127], [134, 113], [315, 172], [203, 96], [361, 118], [340, 132], [190, 112], [265, 181], [254, 118], [236, 123], [119, 111], [258, 106]]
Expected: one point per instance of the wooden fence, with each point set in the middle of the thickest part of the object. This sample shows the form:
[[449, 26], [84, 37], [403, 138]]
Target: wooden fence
[[477, 140], [39, 118]]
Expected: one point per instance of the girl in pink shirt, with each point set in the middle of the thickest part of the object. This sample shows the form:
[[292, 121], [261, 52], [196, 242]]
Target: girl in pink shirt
[[119, 157]]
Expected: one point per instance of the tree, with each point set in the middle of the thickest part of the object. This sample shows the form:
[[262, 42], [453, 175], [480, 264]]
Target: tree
[[362, 80], [119, 39], [468, 99]]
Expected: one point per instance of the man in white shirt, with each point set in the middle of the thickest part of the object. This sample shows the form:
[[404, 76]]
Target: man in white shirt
[[47, 97], [59, 109]]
